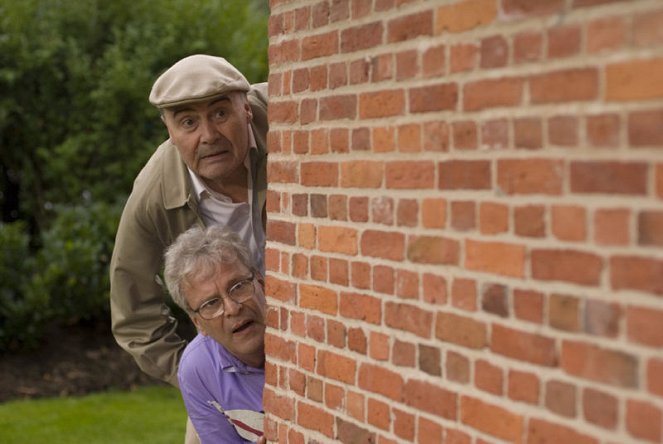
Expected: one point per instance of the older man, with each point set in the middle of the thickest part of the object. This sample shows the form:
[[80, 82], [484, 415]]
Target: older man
[[211, 275], [211, 170]]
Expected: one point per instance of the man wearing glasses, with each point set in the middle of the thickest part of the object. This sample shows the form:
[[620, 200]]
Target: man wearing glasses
[[212, 276]]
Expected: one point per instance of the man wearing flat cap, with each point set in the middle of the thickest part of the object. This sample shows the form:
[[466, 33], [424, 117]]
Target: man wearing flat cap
[[211, 170]]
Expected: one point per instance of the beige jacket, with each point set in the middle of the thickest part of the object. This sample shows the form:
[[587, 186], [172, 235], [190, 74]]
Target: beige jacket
[[160, 207]]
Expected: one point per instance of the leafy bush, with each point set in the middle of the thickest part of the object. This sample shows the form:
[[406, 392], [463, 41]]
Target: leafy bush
[[23, 314], [72, 265]]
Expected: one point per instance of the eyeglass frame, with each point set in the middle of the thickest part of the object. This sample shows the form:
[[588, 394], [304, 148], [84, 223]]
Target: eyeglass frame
[[222, 298]]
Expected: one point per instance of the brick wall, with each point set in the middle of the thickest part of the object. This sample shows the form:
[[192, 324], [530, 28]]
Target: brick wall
[[465, 221]]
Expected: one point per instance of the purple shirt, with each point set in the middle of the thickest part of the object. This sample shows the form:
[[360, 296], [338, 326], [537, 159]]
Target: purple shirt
[[213, 381]]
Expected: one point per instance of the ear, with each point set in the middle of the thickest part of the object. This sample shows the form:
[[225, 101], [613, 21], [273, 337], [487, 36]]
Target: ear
[[249, 112], [199, 324]]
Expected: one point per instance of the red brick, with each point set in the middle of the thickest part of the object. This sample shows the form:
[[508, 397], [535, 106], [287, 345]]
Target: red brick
[[430, 398], [361, 37], [600, 408], [530, 221], [464, 135], [280, 231], [338, 367], [276, 288], [386, 245], [381, 104], [383, 279], [495, 134], [569, 222], [403, 353], [528, 305], [320, 45], [319, 174], [644, 128], [407, 213], [530, 176], [492, 93], [599, 364], [433, 213], [338, 107], [339, 140], [337, 240], [563, 41], [493, 218], [463, 57], [603, 130], [408, 318], [612, 226], [403, 424], [282, 172], [280, 406], [464, 174], [410, 26], [357, 341], [488, 377], [523, 387], [362, 174], [540, 431], [434, 98], [361, 139], [318, 298], [602, 318], [643, 420], [434, 289], [495, 299], [352, 433], [433, 250], [377, 379], [433, 61], [457, 368], [338, 207], [378, 414], [565, 86], [407, 284], [495, 257], [655, 376], [523, 346], [573, 266], [645, 326], [314, 418], [464, 294], [460, 330], [362, 307], [650, 228], [647, 28], [428, 431], [564, 312], [336, 333], [528, 133], [636, 273], [382, 210], [494, 52], [520, 8], [563, 131], [560, 398], [463, 215], [410, 174], [634, 80], [491, 419], [407, 65], [527, 47], [606, 33], [465, 15]]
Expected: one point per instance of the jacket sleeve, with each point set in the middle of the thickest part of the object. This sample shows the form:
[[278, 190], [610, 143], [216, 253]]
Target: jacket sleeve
[[141, 321]]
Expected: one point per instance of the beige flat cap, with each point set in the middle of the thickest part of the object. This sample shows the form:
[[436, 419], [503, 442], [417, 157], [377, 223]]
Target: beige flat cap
[[196, 78]]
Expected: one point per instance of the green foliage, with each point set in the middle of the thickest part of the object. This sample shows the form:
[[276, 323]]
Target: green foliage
[[76, 127], [148, 415], [72, 265], [23, 314]]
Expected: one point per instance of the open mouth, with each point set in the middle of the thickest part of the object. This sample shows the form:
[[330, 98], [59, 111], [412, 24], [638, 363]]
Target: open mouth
[[241, 327]]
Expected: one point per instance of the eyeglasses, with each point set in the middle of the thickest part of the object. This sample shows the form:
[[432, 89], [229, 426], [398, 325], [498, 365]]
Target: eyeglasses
[[241, 292]]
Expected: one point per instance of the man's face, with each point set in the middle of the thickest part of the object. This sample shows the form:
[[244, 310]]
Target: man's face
[[212, 136], [241, 328]]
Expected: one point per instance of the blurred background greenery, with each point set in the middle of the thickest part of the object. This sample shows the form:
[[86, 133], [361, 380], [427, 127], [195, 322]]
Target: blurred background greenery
[[75, 129]]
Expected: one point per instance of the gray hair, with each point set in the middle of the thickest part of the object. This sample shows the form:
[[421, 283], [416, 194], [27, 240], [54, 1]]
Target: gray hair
[[197, 253]]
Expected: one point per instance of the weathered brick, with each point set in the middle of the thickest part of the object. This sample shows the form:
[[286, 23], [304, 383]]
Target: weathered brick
[[460, 330], [644, 326], [361, 37], [381, 104], [430, 398], [410, 26], [464, 174], [409, 174], [540, 431], [320, 45], [594, 363], [383, 244], [408, 318], [377, 379], [336, 366], [492, 93], [433, 250], [565, 86], [491, 419], [434, 98], [634, 80], [637, 273], [495, 257], [600, 408], [318, 298], [530, 176]]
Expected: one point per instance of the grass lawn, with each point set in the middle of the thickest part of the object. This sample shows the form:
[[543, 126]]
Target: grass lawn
[[147, 415]]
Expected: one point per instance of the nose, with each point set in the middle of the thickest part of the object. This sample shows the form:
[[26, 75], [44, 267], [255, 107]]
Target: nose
[[209, 133], [230, 307]]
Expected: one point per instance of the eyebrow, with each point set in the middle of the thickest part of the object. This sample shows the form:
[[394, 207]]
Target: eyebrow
[[184, 108]]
